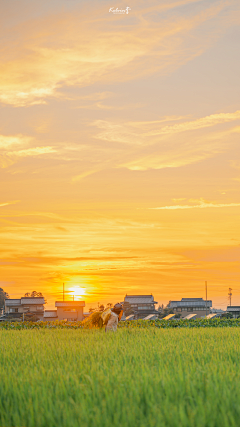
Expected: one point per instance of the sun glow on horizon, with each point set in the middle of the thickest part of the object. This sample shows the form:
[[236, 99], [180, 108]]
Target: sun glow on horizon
[[77, 291]]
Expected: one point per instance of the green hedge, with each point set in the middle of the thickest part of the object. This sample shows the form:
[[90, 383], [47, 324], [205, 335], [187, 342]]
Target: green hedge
[[175, 323]]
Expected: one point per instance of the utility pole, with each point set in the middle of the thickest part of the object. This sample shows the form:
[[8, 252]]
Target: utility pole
[[230, 295], [206, 296]]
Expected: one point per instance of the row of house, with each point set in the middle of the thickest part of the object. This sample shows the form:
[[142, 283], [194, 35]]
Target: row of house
[[138, 307], [65, 310], [144, 305]]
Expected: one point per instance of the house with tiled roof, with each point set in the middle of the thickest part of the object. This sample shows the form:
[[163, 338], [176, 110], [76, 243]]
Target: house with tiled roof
[[70, 310], [140, 305], [17, 308], [234, 310], [186, 306]]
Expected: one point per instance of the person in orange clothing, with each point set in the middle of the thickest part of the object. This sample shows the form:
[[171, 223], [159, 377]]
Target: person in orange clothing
[[115, 317]]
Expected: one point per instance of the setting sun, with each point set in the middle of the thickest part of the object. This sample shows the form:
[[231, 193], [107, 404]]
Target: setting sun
[[77, 291]]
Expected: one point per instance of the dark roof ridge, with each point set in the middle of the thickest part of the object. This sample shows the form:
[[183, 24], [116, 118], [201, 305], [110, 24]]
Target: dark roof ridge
[[139, 295]]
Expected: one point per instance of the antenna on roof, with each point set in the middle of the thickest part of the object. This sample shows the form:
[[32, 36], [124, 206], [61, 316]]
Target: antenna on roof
[[230, 295]]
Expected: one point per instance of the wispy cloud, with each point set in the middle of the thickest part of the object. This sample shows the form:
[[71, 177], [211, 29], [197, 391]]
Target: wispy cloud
[[133, 132], [9, 203], [62, 56], [11, 149], [79, 177], [171, 152], [203, 122], [9, 141], [114, 132], [36, 151], [202, 205], [129, 148]]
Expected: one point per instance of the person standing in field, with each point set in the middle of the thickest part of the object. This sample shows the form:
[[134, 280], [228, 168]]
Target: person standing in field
[[115, 317]]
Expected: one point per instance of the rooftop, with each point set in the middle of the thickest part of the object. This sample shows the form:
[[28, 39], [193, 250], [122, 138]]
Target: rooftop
[[12, 301], [233, 308], [131, 317], [191, 302], [140, 299], [212, 315], [169, 317], [25, 300], [70, 304], [150, 317], [190, 316]]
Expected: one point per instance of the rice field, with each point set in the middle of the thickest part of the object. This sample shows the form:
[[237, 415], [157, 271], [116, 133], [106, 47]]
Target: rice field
[[136, 377]]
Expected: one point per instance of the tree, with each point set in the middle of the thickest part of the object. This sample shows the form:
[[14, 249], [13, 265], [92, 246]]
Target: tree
[[178, 316], [165, 311], [227, 315], [33, 294], [160, 308], [29, 317], [101, 307], [91, 310], [109, 305], [3, 295]]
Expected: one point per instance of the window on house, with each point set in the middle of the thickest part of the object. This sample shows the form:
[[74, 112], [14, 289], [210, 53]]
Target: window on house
[[179, 309], [13, 310]]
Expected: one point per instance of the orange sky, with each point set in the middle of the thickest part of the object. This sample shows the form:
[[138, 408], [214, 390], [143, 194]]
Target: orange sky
[[119, 149]]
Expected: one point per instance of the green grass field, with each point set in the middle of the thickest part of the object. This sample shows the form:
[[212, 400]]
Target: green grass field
[[135, 377]]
